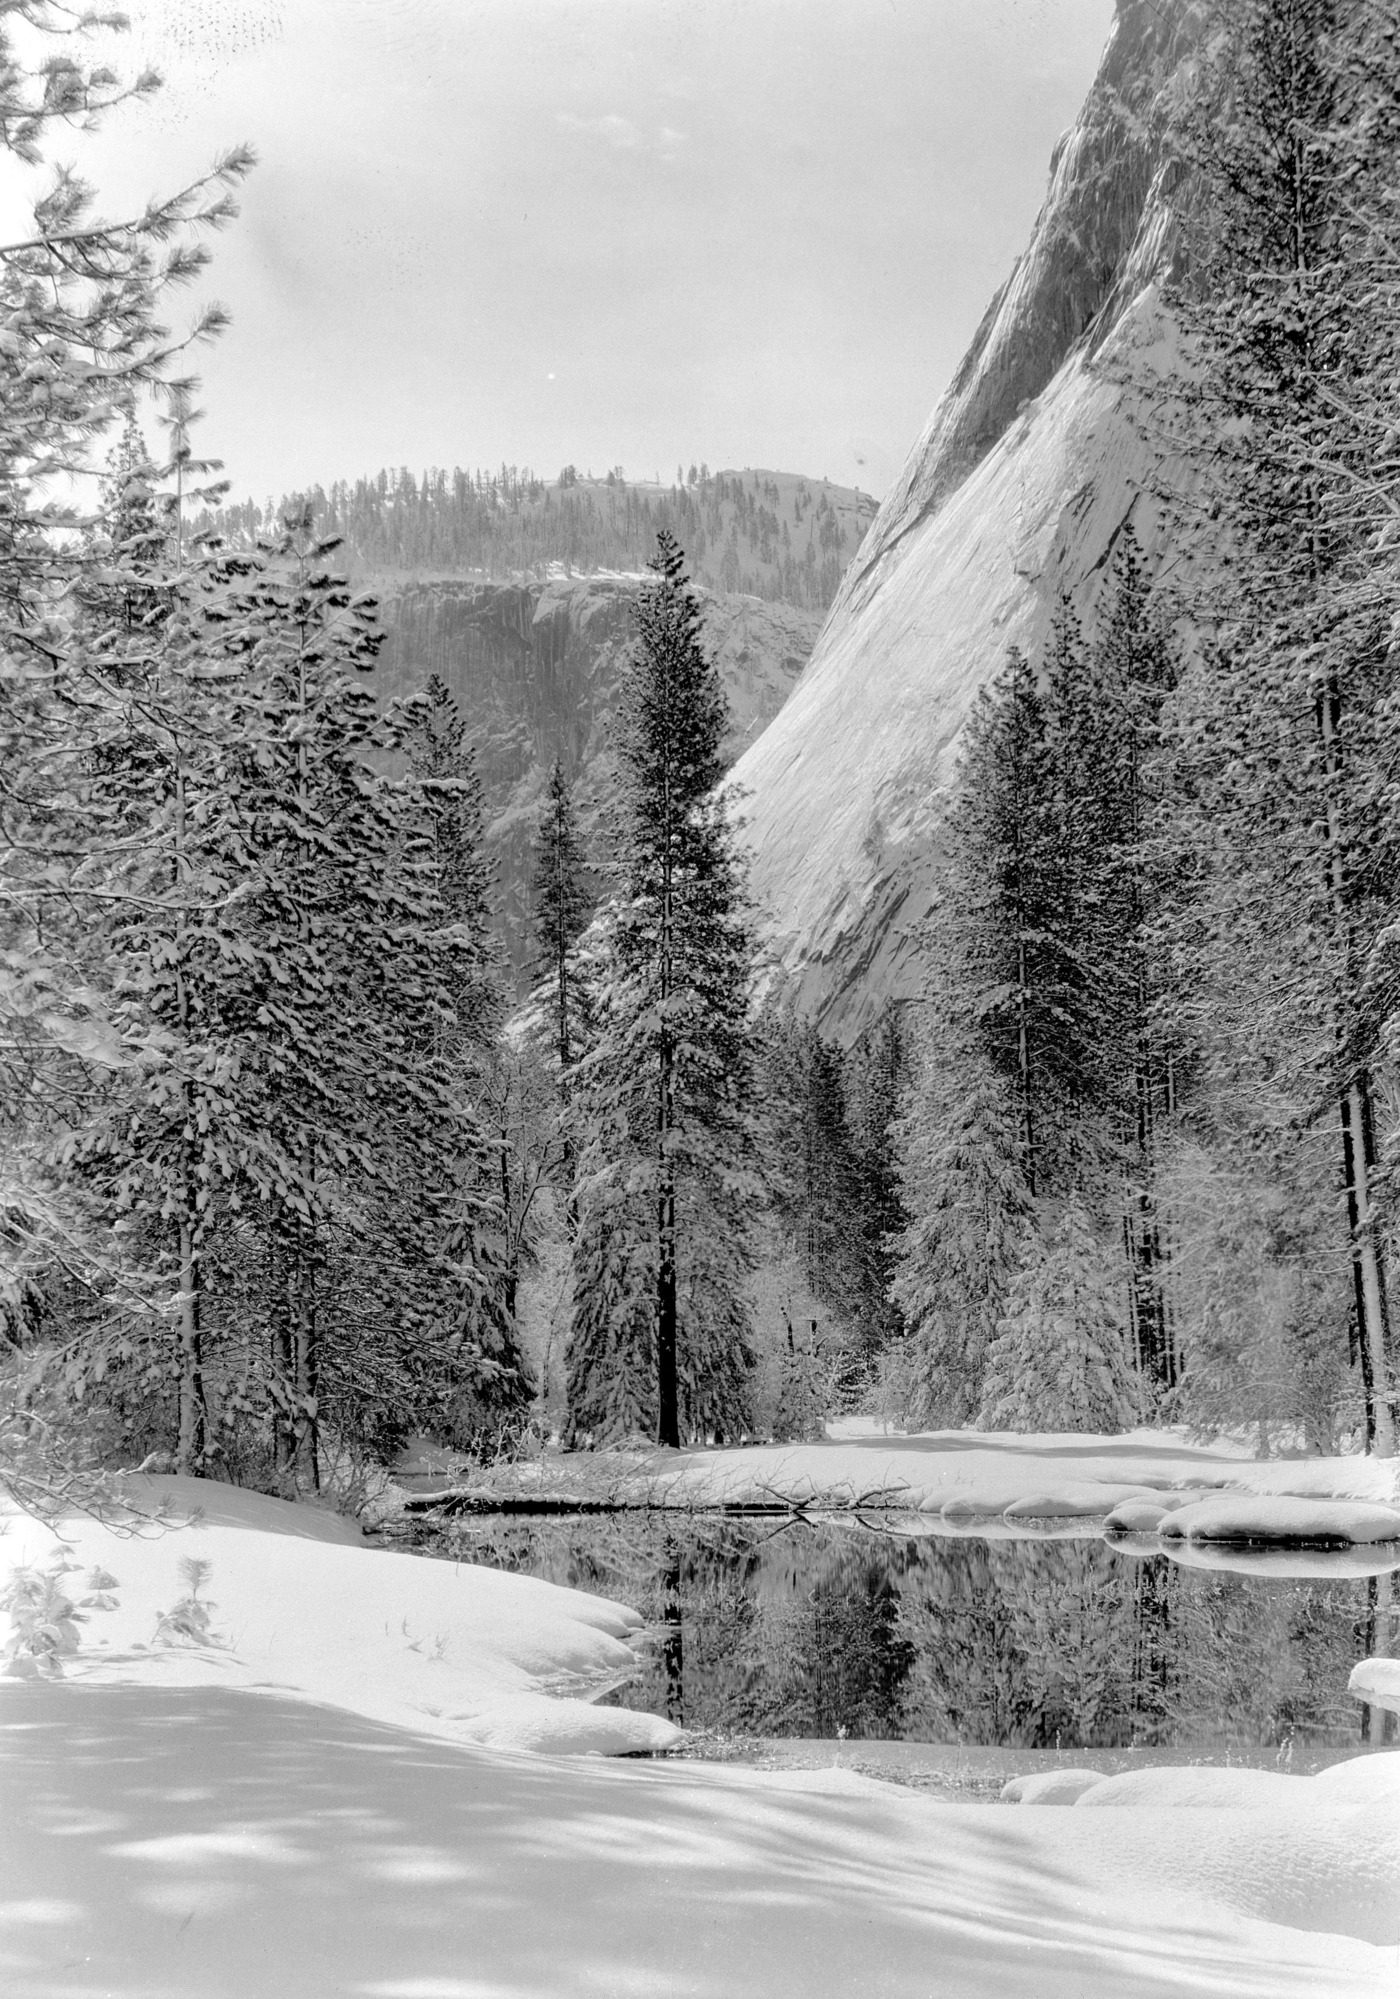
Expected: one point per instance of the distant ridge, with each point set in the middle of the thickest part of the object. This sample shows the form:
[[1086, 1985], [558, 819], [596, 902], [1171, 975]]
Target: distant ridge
[[775, 535]]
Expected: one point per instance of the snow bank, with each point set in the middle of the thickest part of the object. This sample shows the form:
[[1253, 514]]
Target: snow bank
[[299, 1603], [960, 1475]]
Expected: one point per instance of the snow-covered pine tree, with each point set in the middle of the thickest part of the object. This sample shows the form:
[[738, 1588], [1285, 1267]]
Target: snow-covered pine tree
[[448, 787], [358, 1251], [963, 1184], [1114, 776], [1291, 300], [1006, 1072], [561, 909], [669, 1152], [168, 1132], [1058, 1361], [877, 1073], [493, 1085], [82, 301], [1016, 977], [817, 1192]]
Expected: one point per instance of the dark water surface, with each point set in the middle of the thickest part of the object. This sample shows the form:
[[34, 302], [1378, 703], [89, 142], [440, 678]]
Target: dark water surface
[[776, 1627]]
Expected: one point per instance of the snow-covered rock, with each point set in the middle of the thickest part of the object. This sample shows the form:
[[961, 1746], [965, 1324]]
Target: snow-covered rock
[[1071, 1501], [1377, 1682], [1014, 494], [1135, 1516], [1271, 1517], [1179, 1784], [1050, 1787]]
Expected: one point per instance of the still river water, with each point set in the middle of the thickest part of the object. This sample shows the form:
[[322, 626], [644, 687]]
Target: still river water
[[778, 1627]]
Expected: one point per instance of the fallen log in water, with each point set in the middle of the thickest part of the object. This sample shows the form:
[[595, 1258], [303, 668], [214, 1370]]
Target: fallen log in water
[[499, 1502]]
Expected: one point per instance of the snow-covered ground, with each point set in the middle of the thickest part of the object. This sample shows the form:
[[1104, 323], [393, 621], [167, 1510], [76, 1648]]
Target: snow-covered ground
[[297, 1809], [976, 1473]]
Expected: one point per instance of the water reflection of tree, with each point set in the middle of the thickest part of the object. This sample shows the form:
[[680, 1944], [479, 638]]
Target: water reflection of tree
[[794, 1629]]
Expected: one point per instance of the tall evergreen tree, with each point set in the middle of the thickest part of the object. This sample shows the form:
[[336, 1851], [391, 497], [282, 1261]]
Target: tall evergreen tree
[[669, 1145], [832, 1171], [1018, 975], [448, 786], [964, 1187], [1059, 1359], [82, 301], [1291, 303], [561, 906], [1114, 775]]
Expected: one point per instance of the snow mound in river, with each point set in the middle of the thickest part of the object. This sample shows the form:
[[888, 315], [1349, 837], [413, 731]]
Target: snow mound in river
[[1269, 1517]]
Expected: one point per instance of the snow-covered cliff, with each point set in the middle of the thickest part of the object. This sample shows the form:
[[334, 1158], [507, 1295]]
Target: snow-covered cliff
[[1014, 495]]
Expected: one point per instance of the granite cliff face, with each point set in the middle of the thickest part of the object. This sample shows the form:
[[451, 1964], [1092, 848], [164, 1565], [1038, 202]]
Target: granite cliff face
[[537, 667], [1013, 496]]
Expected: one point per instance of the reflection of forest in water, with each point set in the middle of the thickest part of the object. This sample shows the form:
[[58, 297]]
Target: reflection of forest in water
[[787, 1628]]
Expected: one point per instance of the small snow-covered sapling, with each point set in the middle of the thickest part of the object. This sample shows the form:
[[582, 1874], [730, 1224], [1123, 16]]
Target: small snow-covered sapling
[[187, 1620], [44, 1617]]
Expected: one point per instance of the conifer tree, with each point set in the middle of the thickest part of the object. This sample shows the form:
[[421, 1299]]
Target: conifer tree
[[669, 1166], [82, 301], [1114, 776], [561, 906], [964, 1187], [1058, 1361], [448, 786], [353, 1226], [1292, 718], [166, 1132], [1018, 978]]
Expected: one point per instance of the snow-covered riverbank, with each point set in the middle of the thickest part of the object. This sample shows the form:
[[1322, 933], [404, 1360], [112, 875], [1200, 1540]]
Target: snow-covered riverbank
[[954, 1479], [335, 1799]]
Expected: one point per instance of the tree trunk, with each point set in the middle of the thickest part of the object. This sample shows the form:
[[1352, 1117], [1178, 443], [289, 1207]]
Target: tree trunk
[[308, 1356], [667, 1399], [673, 1644], [189, 1459], [1367, 1254], [284, 1355], [512, 1234], [668, 1413], [1023, 1061]]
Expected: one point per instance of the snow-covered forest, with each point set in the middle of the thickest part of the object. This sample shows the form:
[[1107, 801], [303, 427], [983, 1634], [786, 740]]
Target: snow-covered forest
[[317, 1211], [767, 535], [1128, 1159]]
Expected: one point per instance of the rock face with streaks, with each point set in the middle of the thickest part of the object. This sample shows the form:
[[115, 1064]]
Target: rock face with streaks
[[1013, 496], [536, 668]]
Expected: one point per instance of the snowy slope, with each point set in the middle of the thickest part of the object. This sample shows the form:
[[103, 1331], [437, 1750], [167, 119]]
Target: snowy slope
[[1013, 495], [301, 1605]]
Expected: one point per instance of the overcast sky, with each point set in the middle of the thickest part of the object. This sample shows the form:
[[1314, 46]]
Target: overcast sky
[[635, 232]]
